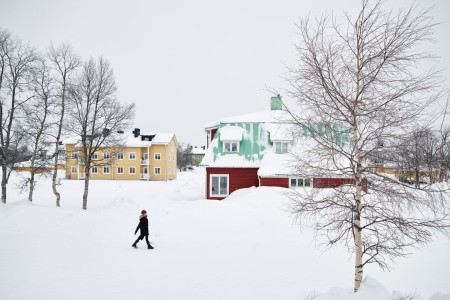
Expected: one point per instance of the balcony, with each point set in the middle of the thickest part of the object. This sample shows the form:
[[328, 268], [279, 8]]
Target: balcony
[[144, 176], [144, 161]]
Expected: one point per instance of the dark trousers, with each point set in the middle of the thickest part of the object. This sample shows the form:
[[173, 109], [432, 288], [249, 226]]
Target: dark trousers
[[140, 238]]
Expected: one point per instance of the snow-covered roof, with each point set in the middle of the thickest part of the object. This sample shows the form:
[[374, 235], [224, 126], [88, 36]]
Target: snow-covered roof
[[280, 131], [198, 150], [132, 141], [231, 133], [267, 116]]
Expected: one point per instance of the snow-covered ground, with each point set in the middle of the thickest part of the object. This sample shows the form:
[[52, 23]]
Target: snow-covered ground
[[245, 247]]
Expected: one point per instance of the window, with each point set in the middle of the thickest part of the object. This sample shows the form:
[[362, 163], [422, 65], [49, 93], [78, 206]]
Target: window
[[157, 171], [157, 156], [105, 170], [105, 155], [120, 155], [74, 170], [300, 182], [281, 147], [132, 170], [230, 146], [94, 170], [119, 170], [95, 156], [74, 155], [219, 185], [132, 156]]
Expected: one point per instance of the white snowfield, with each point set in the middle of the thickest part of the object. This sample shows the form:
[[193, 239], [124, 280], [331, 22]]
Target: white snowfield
[[244, 247]]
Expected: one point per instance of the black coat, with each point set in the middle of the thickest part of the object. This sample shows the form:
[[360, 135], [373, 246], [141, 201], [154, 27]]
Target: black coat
[[143, 226]]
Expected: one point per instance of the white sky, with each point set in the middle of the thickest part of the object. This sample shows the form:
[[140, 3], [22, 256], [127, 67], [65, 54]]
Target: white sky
[[187, 63]]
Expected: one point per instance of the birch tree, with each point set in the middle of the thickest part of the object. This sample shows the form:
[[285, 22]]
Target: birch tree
[[96, 115], [17, 61], [37, 123], [64, 63], [359, 83]]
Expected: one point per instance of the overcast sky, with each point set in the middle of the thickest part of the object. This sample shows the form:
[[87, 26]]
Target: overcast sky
[[187, 63]]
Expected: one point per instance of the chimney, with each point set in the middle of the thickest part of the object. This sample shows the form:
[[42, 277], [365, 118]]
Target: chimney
[[276, 103], [136, 132]]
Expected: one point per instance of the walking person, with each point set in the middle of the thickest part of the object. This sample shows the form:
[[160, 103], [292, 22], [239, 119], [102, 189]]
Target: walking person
[[143, 226]]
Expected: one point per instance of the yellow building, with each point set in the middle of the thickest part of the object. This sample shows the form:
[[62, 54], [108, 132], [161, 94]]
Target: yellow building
[[144, 157]]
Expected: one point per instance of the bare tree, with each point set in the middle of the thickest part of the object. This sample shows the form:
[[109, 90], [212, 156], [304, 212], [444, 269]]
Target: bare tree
[[64, 63], [357, 84], [16, 66], [96, 116], [37, 125], [184, 157]]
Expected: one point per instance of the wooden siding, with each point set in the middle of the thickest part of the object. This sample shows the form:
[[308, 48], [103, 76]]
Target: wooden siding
[[335, 182], [281, 182], [239, 178]]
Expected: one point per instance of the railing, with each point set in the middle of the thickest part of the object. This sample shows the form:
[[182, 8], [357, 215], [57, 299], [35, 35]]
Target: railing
[[144, 176], [144, 161]]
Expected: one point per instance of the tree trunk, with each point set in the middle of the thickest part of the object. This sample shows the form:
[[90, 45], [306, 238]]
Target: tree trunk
[[86, 190], [4, 183], [357, 217], [30, 194], [54, 176]]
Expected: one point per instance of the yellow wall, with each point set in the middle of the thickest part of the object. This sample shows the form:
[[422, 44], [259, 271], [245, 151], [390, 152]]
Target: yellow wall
[[167, 163]]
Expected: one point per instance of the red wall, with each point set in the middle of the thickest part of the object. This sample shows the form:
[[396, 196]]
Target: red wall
[[239, 178], [335, 182], [281, 182], [213, 133]]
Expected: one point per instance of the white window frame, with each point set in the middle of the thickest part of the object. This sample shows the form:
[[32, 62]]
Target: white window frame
[[118, 169], [106, 155], [132, 154], [281, 149], [210, 185], [120, 156], [159, 154], [74, 170], [105, 168], [230, 143], [303, 181], [134, 170], [94, 170], [95, 155], [159, 171], [74, 156]]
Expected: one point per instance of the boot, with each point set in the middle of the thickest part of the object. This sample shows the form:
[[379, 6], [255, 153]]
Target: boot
[[134, 245], [150, 246]]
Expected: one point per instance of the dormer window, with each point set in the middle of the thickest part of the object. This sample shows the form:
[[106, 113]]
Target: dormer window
[[230, 146], [281, 147]]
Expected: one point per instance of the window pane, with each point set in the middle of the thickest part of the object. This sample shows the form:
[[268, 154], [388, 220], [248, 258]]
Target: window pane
[[214, 185], [278, 147], [223, 185], [293, 182], [307, 182], [300, 182], [227, 147], [234, 147], [284, 147]]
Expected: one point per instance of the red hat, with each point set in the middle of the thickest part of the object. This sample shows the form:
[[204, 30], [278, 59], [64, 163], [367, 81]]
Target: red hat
[[143, 212]]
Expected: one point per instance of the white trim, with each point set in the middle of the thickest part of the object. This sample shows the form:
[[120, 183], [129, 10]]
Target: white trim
[[96, 170], [106, 155], [95, 155], [281, 147], [303, 185], [129, 170], [129, 155], [210, 185], [154, 170], [104, 170], [120, 153], [231, 146], [72, 170], [118, 170], [154, 156]]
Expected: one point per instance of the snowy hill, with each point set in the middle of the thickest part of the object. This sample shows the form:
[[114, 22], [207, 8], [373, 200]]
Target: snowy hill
[[245, 247]]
